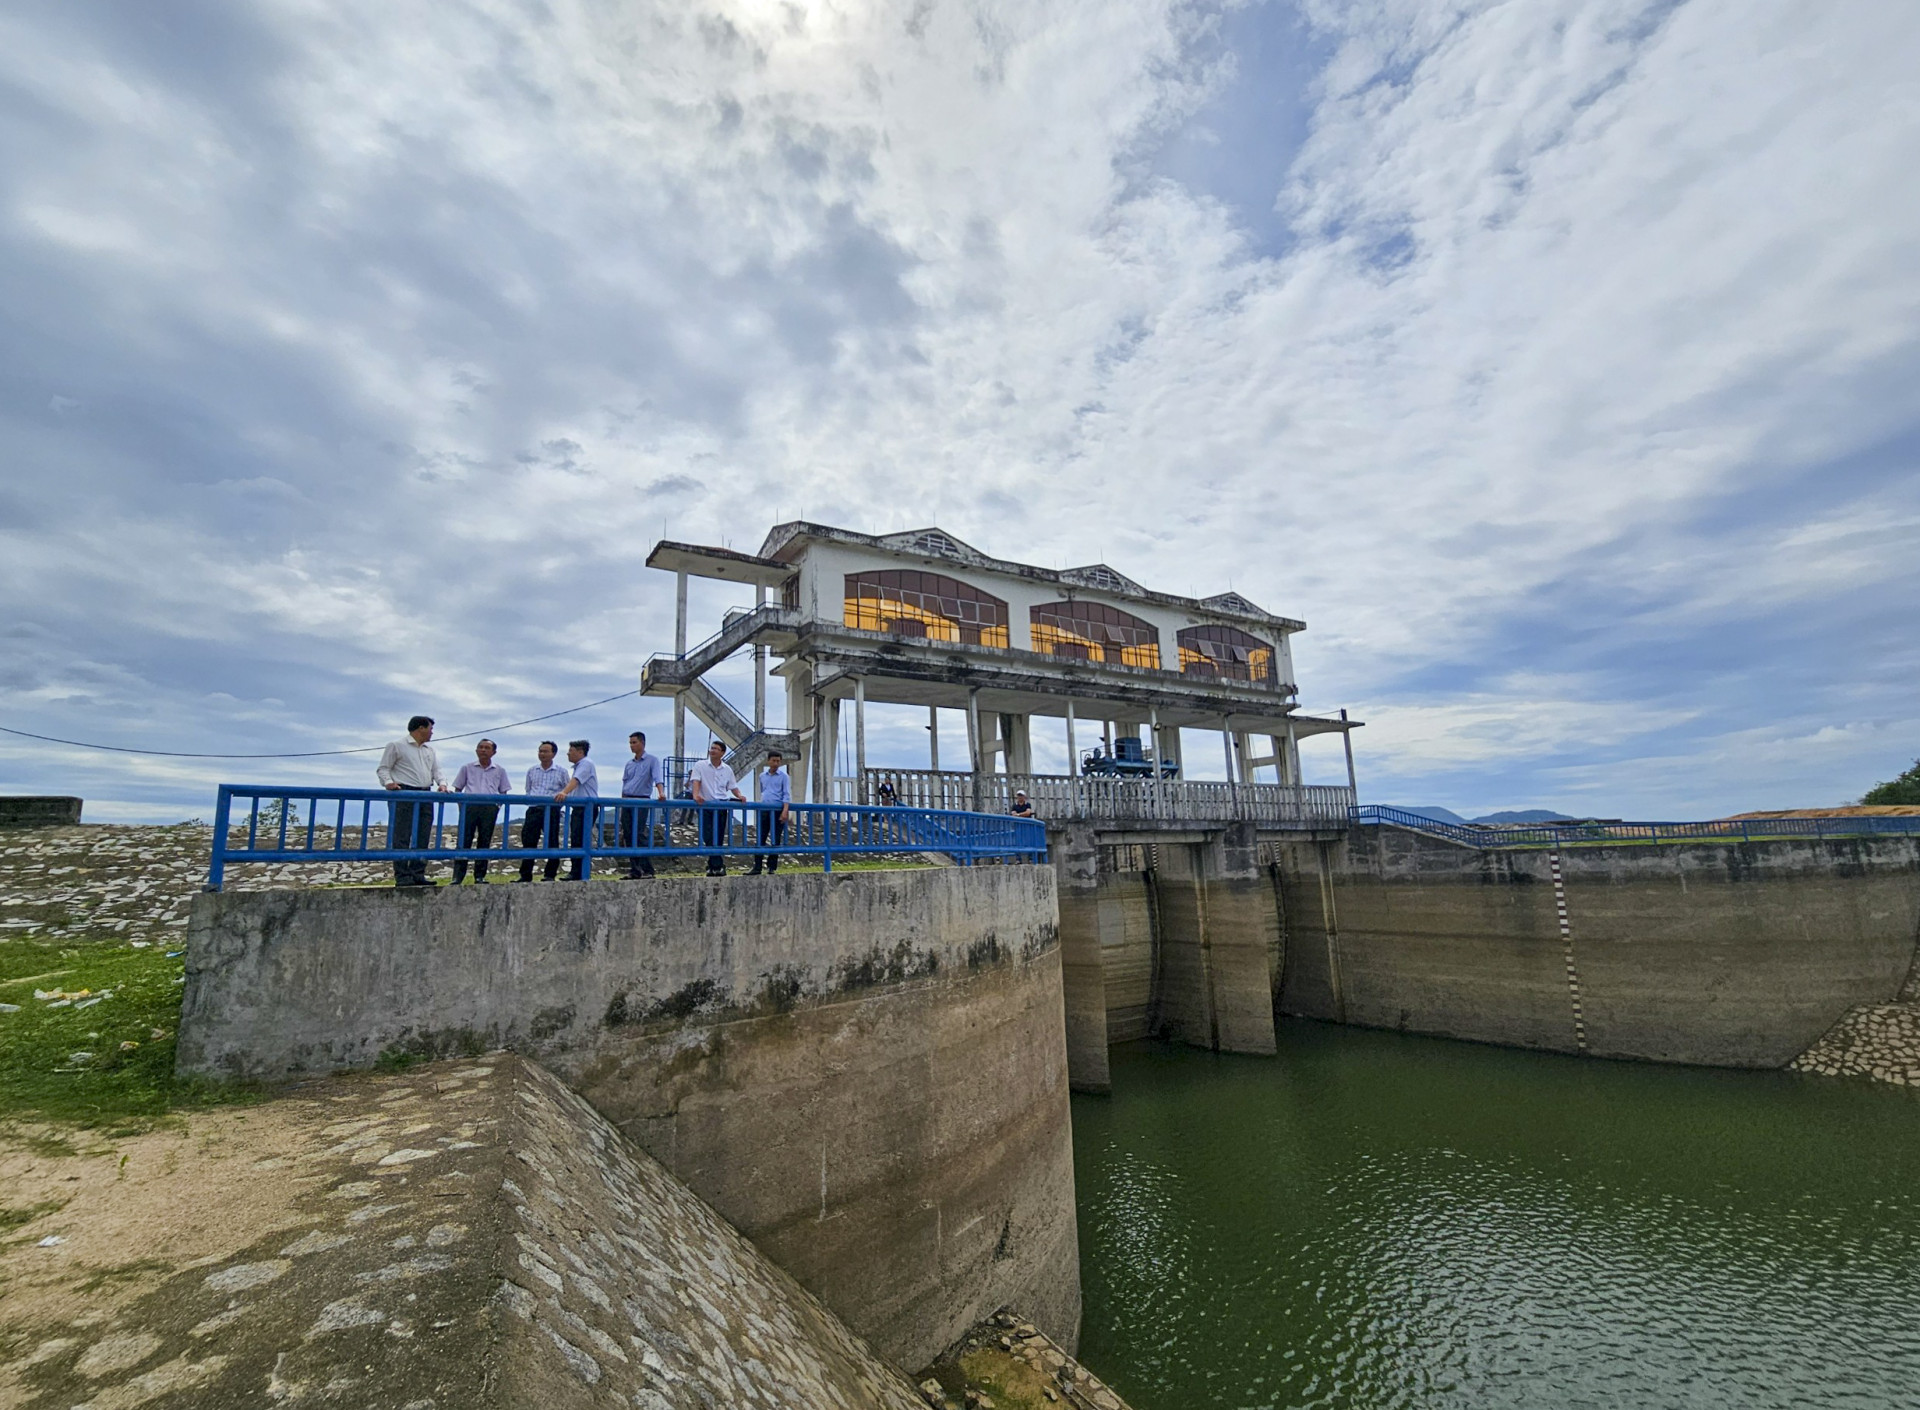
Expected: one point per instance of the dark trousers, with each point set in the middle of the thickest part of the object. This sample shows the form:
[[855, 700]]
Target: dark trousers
[[476, 830], [577, 824], [775, 826], [540, 827], [410, 825], [636, 830], [713, 833]]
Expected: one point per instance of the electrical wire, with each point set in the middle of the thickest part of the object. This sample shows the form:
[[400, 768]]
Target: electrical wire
[[312, 753]]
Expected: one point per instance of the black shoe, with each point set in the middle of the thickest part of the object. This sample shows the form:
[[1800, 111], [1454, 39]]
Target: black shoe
[[755, 870]]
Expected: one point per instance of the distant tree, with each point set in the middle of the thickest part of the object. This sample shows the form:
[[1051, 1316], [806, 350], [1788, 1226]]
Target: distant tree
[[1904, 789]]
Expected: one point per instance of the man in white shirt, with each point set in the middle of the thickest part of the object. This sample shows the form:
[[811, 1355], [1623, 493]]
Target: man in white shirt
[[544, 780], [713, 782], [477, 819], [410, 765], [585, 783]]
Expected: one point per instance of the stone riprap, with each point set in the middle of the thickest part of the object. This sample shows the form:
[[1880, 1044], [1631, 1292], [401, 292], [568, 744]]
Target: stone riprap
[[39, 811], [134, 882], [1881, 1041], [466, 1235]]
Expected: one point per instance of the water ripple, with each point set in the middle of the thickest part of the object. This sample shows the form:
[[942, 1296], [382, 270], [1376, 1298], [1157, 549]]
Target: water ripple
[[1381, 1221]]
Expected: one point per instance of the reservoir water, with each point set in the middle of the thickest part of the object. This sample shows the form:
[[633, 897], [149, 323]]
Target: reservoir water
[[1375, 1220]]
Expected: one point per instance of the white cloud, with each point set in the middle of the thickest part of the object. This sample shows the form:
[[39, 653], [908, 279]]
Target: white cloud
[[450, 287]]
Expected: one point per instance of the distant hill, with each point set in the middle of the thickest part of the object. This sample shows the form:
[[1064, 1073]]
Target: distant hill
[[1509, 818], [1445, 815]]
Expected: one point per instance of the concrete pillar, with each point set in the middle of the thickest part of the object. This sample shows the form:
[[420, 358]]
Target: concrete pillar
[[1073, 761], [1346, 738], [1016, 734], [826, 752], [1226, 739], [1220, 948], [1076, 867], [1282, 765], [933, 738], [1293, 754], [760, 667], [860, 738], [680, 650], [975, 763]]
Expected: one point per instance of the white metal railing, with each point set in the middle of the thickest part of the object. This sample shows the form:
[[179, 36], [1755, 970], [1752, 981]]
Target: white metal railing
[[1058, 797]]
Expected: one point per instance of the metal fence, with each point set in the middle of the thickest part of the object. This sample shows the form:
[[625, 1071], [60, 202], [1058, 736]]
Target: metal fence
[[264, 823], [1063, 798], [1573, 833]]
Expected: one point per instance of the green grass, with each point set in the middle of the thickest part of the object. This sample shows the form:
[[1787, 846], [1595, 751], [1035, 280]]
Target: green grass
[[119, 1090]]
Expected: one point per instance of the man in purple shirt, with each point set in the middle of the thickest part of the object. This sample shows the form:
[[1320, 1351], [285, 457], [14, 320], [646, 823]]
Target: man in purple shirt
[[485, 777]]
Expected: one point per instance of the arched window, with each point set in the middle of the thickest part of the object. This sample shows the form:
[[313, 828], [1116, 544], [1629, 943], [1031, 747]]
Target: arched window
[[907, 602], [1093, 631], [1225, 651]]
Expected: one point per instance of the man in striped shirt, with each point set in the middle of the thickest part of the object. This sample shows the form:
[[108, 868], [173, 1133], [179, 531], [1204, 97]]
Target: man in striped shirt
[[477, 819]]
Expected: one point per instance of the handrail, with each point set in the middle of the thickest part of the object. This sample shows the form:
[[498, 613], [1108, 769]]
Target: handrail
[[1571, 833], [1105, 798], [611, 827]]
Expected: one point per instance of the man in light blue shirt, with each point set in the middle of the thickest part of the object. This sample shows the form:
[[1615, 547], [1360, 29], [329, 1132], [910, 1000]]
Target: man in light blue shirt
[[585, 783], [776, 794], [644, 777], [543, 824]]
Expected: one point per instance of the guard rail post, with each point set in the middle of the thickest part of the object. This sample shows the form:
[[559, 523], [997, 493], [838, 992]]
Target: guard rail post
[[217, 864]]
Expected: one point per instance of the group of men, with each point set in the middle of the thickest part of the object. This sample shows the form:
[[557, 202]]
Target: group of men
[[410, 764]]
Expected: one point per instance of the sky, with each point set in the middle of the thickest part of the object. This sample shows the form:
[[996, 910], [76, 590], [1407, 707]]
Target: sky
[[1555, 362]]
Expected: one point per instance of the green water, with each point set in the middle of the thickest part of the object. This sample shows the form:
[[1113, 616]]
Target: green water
[[1380, 1220]]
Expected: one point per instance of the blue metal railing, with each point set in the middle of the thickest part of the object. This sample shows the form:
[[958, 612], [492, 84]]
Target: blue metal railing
[[265, 823], [1569, 834]]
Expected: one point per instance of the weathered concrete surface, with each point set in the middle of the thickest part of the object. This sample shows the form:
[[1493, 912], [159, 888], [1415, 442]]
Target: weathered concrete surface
[[1218, 934], [29, 811], [866, 1073], [467, 1235], [1729, 955], [1076, 862], [1124, 917]]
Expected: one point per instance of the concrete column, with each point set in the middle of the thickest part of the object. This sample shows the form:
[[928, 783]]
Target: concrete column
[[1346, 738], [933, 738], [1076, 867], [679, 650], [800, 719], [860, 738], [1282, 770], [973, 744], [1153, 739], [1226, 738], [1220, 947], [1017, 738], [827, 748], [1293, 754], [760, 667], [1073, 761], [1243, 748]]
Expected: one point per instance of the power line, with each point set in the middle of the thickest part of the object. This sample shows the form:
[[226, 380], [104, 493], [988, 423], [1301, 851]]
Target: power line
[[312, 753]]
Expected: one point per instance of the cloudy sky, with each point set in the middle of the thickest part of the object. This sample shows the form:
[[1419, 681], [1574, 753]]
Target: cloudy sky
[[1555, 360]]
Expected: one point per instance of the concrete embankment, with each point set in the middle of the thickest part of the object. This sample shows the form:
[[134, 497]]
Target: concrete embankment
[[469, 1234], [1738, 955], [865, 1073]]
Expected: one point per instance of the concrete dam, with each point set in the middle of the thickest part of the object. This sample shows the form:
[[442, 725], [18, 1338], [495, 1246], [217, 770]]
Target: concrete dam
[[866, 1074]]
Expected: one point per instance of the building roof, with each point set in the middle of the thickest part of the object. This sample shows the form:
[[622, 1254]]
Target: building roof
[[785, 543]]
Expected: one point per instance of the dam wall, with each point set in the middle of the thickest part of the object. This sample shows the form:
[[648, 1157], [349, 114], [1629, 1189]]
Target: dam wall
[[865, 1073], [1735, 955]]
